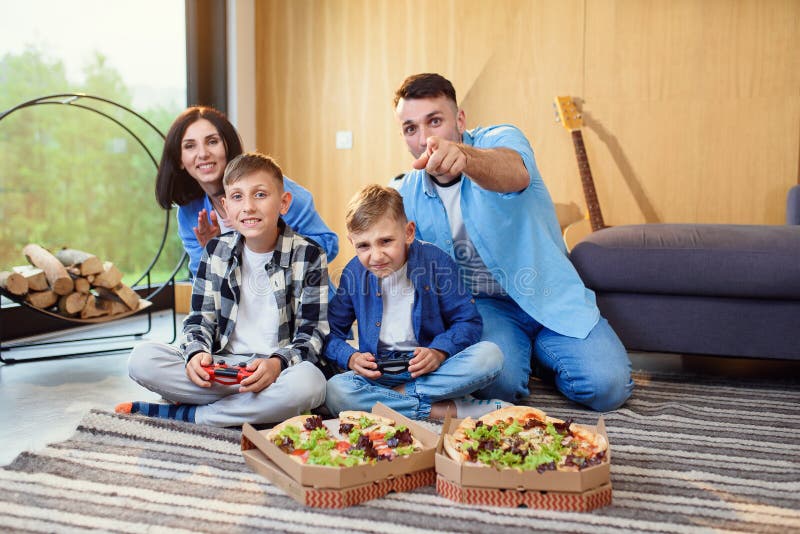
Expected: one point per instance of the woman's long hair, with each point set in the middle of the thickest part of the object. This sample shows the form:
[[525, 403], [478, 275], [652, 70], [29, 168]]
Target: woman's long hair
[[174, 184]]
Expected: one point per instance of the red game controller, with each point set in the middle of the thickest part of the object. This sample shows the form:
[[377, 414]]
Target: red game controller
[[222, 374]]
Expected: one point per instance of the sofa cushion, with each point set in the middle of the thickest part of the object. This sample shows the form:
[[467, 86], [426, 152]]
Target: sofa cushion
[[793, 205], [750, 328], [750, 261]]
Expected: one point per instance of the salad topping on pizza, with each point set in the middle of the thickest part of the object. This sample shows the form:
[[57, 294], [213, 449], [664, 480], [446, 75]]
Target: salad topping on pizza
[[524, 438]]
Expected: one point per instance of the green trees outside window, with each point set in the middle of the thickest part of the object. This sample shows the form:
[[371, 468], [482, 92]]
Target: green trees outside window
[[71, 177]]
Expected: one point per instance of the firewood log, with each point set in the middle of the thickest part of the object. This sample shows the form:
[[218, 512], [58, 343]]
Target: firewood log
[[112, 307], [110, 277], [37, 281], [73, 303], [91, 309], [82, 285], [56, 274], [121, 293], [88, 263], [14, 283], [41, 299]]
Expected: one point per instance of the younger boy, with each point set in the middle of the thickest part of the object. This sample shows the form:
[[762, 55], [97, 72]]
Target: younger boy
[[408, 298], [260, 297]]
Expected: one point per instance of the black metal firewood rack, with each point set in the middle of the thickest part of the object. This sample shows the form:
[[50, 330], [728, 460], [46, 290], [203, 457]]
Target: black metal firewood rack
[[164, 293]]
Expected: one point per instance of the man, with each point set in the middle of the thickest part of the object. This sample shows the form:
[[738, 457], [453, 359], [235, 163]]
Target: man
[[478, 195]]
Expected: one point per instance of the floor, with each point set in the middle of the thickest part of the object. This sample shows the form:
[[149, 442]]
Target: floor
[[43, 401]]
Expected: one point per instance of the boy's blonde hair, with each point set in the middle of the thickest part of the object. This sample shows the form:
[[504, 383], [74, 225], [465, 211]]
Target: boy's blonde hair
[[249, 163], [372, 203]]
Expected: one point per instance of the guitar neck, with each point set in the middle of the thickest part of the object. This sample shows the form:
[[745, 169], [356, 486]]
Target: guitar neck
[[589, 192]]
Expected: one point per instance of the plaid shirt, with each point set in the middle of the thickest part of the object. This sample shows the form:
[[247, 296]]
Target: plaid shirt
[[298, 275]]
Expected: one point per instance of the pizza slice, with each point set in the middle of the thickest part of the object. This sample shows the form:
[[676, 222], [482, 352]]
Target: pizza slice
[[377, 435], [363, 421], [584, 449], [308, 441], [524, 415]]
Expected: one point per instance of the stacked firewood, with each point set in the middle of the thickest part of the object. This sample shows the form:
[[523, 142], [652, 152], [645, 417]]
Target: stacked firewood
[[72, 283]]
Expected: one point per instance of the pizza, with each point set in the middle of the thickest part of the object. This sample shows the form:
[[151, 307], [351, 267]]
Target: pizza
[[364, 438], [524, 438]]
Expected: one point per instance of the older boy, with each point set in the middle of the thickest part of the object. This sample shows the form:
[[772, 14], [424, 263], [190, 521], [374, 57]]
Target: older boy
[[408, 298], [260, 297]]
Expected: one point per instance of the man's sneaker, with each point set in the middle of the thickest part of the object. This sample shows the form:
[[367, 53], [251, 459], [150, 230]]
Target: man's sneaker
[[469, 406]]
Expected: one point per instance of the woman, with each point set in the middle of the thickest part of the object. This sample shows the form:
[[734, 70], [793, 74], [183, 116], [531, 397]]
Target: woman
[[199, 145]]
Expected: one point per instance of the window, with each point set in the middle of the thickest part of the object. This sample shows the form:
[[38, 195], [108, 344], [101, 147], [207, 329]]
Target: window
[[71, 176]]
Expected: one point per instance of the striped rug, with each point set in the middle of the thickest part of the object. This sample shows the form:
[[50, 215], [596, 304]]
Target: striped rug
[[690, 454]]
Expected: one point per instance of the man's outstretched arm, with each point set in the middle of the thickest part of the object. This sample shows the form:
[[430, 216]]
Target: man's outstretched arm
[[494, 169]]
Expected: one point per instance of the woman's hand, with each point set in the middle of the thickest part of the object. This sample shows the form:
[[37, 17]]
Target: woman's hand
[[205, 231]]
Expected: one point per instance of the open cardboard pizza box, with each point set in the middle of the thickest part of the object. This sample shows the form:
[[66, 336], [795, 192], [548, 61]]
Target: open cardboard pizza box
[[562, 490], [324, 486]]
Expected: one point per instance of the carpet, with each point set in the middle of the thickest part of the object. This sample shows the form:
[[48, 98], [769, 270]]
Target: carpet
[[690, 454]]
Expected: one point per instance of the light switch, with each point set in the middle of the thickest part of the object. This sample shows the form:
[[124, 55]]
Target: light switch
[[344, 139]]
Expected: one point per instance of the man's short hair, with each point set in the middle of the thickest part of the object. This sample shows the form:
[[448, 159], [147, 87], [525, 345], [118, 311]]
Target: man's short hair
[[372, 203], [425, 85], [249, 163]]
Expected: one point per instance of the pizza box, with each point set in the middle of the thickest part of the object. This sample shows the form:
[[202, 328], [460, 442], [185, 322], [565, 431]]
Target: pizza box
[[320, 476], [513, 498], [335, 497], [483, 476]]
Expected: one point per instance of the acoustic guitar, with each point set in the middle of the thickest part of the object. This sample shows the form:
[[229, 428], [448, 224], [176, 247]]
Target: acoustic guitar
[[569, 117]]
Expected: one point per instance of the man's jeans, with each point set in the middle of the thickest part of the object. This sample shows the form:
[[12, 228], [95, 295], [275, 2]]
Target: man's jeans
[[460, 374], [594, 371]]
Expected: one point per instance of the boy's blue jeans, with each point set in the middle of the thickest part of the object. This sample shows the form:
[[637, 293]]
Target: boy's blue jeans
[[460, 374], [594, 371]]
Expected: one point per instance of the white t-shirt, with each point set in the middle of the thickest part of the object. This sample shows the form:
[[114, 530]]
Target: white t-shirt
[[397, 330], [476, 276], [256, 328]]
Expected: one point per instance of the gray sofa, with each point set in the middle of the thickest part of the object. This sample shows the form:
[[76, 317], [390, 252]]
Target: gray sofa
[[717, 289]]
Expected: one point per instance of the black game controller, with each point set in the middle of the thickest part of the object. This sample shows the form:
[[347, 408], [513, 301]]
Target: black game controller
[[394, 362]]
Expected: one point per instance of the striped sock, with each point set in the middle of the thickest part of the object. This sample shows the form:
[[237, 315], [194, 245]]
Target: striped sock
[[181, 412]]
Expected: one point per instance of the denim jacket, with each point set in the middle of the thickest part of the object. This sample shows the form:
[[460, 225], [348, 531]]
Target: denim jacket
[[444, 315]]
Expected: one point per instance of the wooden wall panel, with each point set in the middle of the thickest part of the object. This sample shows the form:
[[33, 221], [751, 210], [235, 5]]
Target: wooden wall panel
[[540, 57], [692, 108], [700, 100], [324, 66]]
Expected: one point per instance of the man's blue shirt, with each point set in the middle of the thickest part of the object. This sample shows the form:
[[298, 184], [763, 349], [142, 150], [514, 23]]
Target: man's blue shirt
[[516, 234]]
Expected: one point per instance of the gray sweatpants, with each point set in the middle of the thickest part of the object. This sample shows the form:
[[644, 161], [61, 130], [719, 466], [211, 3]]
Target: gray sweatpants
[[161, 368]]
